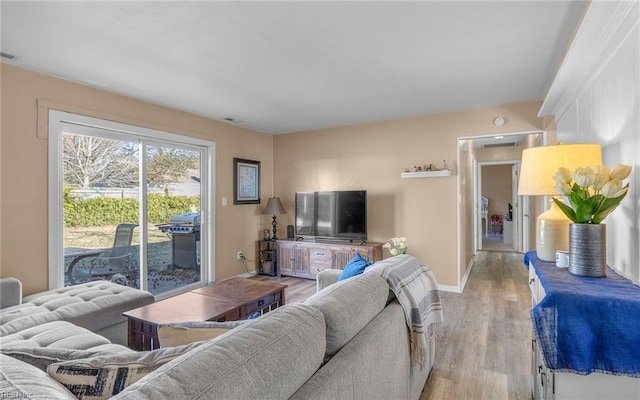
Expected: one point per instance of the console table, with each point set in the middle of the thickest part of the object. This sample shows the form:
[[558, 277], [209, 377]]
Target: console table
[[586, 334], [304, 259]]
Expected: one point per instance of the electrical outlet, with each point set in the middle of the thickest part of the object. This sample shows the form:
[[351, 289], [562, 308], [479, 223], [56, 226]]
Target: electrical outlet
[[240, 256]]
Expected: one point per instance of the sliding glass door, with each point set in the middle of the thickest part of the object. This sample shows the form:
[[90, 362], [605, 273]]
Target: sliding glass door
[[129, 204]]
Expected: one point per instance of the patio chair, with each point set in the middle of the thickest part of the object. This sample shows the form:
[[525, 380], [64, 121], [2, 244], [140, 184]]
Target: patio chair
[[118, 260]]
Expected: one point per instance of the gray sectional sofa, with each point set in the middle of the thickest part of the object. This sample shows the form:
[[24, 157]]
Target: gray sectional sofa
[[348, 341]]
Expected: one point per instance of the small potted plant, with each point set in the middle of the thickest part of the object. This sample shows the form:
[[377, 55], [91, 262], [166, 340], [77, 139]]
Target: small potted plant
[[593, 194], [396, 245]]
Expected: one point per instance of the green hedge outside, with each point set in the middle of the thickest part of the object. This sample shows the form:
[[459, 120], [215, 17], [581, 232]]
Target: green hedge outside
[[105, 211]]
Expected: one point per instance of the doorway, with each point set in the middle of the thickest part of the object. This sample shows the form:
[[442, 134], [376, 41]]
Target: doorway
[[497, 182]]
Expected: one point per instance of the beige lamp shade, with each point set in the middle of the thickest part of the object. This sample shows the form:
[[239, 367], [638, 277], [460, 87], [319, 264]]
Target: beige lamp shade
[[538, 166], [274, 208]]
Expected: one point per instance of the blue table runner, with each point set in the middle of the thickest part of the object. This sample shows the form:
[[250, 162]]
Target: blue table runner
[[585, 324]]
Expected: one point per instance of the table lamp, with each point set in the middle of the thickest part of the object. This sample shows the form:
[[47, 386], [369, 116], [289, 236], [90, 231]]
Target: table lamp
[[539, 164], [275, 208]]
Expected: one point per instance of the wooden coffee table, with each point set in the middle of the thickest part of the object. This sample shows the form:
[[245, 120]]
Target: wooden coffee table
[[229, 300]]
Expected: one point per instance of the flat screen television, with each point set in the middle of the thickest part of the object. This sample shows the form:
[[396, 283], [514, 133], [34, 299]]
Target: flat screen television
[[340, 215]]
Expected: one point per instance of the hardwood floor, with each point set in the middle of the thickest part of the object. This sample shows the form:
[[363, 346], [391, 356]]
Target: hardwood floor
[[297, 290], [484, 351]]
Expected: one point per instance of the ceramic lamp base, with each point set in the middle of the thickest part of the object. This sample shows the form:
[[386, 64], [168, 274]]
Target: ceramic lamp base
[[552, 233]]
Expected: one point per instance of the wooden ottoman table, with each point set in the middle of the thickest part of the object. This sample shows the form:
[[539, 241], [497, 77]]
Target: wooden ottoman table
[[229, 300]]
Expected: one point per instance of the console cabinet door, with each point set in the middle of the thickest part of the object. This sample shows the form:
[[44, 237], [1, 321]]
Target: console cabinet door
[[293, 259], [301, 262], [286, 259]]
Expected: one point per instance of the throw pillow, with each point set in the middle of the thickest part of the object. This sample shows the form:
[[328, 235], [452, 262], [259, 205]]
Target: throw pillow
[[105, 376], [355, 267], [42, 357], [177, 334]]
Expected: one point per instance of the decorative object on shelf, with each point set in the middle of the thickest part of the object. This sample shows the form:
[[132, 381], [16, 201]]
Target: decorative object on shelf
[[274, 208], [425, 174], [265, 235], [246, 181], [593, 194], [396, 245], [539, 164]]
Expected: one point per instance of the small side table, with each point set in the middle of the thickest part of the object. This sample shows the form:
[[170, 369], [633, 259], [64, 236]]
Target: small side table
[[268, 258]]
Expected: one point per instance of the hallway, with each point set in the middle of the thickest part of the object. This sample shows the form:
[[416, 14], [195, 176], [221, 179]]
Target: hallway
[[494, 242], [485, 349]]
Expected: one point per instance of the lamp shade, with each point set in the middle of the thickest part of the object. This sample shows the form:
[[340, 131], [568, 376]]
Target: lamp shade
[[274, 207], [539, 164]]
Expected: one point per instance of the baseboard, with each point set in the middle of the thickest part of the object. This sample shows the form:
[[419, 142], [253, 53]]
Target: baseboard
[[466, 275], [458, 289], [448, 288]]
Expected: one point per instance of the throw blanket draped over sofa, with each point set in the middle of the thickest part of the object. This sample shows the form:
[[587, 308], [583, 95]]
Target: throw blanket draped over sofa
[[416, 289]]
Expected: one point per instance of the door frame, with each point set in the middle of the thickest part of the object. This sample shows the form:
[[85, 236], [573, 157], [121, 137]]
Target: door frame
[[55, 221], [517, 215]]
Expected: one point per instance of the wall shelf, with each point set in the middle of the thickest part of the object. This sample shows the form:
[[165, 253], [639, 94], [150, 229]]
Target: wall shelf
[[425, 174]]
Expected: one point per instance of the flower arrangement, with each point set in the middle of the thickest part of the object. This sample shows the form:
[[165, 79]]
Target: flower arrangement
[[593, 193], [396, 245]]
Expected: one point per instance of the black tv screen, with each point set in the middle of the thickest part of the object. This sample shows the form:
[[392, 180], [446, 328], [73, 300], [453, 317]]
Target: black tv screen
[[332, 214]]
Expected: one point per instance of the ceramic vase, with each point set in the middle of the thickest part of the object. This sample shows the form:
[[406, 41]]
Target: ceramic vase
[[588, 250]]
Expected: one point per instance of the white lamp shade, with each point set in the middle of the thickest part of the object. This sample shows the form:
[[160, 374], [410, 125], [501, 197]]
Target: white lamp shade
[[538, 166]]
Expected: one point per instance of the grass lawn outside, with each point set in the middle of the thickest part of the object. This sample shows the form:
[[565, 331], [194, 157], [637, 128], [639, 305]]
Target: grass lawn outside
[[161, 274]]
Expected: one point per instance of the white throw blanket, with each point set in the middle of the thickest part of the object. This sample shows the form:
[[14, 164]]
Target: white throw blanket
[[416, 289]]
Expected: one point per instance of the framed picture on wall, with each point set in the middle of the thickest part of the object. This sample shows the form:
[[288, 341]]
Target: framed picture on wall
[[246, 181]]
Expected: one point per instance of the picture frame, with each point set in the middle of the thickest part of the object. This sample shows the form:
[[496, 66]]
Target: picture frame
[[246, 181]]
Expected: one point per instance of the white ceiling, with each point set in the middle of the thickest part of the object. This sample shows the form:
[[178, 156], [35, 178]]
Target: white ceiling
[[280, 67]]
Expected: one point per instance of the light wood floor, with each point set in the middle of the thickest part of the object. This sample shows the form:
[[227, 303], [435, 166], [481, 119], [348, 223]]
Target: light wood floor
[[484, 351]]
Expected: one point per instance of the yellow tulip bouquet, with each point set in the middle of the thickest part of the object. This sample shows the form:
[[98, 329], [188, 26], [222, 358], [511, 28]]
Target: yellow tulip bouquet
[[593, 193]]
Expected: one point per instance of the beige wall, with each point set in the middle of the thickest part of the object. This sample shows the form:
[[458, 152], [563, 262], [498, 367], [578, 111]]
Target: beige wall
[[372, 156], [368, 156], [497, 187], [23, 203]]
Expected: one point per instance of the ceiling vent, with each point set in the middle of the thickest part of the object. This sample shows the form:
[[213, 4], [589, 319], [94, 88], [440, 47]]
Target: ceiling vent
[[7, 55], [494, 145]]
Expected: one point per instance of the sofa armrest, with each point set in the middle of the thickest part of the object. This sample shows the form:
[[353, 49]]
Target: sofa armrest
[[10, 292], [327, 277]]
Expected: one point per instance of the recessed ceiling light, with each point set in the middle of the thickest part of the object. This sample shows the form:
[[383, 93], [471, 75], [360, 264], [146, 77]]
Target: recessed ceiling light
[[498, 121]]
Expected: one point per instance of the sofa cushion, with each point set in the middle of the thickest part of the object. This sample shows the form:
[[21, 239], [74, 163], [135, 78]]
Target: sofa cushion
[[93, 305], [58, 334], [354, 267], [19, 380], [266, 358], [348, 306], [180, 333], [103, 376]]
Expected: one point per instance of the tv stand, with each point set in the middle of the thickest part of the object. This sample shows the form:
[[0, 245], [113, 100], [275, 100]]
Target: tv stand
[[304, 259]]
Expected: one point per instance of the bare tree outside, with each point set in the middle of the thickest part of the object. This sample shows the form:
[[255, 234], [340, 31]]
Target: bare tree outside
[[167, 165], [97, 162]]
